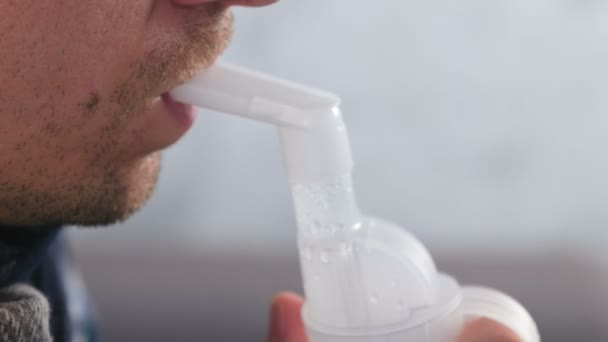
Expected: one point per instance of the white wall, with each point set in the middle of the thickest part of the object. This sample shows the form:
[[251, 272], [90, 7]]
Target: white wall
[[473, 122]]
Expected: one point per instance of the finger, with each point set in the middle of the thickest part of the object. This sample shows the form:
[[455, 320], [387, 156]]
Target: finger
[[487, 330], [286, 320]]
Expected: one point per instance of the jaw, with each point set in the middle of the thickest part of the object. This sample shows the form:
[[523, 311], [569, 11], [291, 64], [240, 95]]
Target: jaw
[[100, 197]]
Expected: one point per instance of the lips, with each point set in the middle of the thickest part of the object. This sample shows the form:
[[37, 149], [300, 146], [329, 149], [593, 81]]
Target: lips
[[249, 3], [184, 113], [227, 3], [181, 112]]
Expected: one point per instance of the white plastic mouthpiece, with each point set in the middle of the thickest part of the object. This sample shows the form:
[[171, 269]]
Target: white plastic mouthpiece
[[312, 131], [235, 90]]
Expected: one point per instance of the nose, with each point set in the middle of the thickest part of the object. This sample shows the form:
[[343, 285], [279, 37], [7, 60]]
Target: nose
[[249, 3]]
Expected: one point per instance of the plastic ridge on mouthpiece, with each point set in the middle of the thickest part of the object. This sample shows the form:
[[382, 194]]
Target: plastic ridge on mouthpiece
[[365, 279]]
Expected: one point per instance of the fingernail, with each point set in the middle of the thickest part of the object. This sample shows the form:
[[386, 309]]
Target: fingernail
[[278, 331]]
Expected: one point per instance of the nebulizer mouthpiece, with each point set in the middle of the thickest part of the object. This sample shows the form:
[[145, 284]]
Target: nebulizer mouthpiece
[[365, 279]]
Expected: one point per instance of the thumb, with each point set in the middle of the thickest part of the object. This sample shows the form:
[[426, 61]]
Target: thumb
[[286, 320]]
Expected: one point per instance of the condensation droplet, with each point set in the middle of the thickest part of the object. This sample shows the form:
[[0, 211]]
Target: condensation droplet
[[317, 227], [315, 277], [393, 283], [345, 249], [340, 227], [324, 257], [307, 253], [400, 306], [373, 300], [331, 229], [324, 204]]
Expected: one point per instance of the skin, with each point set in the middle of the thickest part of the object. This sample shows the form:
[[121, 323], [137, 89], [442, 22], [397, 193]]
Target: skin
[[82, 122], [81, 119]]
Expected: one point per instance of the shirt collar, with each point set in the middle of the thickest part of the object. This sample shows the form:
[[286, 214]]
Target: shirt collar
[[22, 249]]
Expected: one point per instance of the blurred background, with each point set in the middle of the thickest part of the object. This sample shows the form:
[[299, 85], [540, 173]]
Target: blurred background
[[479, 125]]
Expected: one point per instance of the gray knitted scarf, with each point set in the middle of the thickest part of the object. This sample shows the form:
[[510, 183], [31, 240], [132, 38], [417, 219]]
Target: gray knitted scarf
[[24, 315]]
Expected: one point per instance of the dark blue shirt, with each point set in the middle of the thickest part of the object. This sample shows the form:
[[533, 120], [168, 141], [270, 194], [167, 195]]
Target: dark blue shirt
[[40, 257]]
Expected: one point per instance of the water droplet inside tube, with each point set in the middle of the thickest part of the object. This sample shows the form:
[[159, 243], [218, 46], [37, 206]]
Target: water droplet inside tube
[[324, 257], [400, 306], [307, 253]]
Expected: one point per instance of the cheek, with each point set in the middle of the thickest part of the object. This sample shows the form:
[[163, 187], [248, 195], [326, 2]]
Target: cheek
[[62, 53], [74, 47]]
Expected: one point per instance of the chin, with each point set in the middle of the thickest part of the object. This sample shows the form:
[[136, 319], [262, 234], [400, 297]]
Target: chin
[[121, 193], [141, 180], [101, 196]]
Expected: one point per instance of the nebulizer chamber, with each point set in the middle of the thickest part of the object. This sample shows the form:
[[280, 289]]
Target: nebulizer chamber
[[365, 279]]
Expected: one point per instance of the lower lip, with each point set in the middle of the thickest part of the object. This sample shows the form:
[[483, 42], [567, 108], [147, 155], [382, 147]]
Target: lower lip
[[182, 113]]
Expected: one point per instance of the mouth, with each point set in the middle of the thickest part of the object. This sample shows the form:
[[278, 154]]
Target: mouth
[[249, 3], [183, 113]]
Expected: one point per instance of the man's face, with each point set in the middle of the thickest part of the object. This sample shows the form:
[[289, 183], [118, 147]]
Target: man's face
[[81, 113]]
